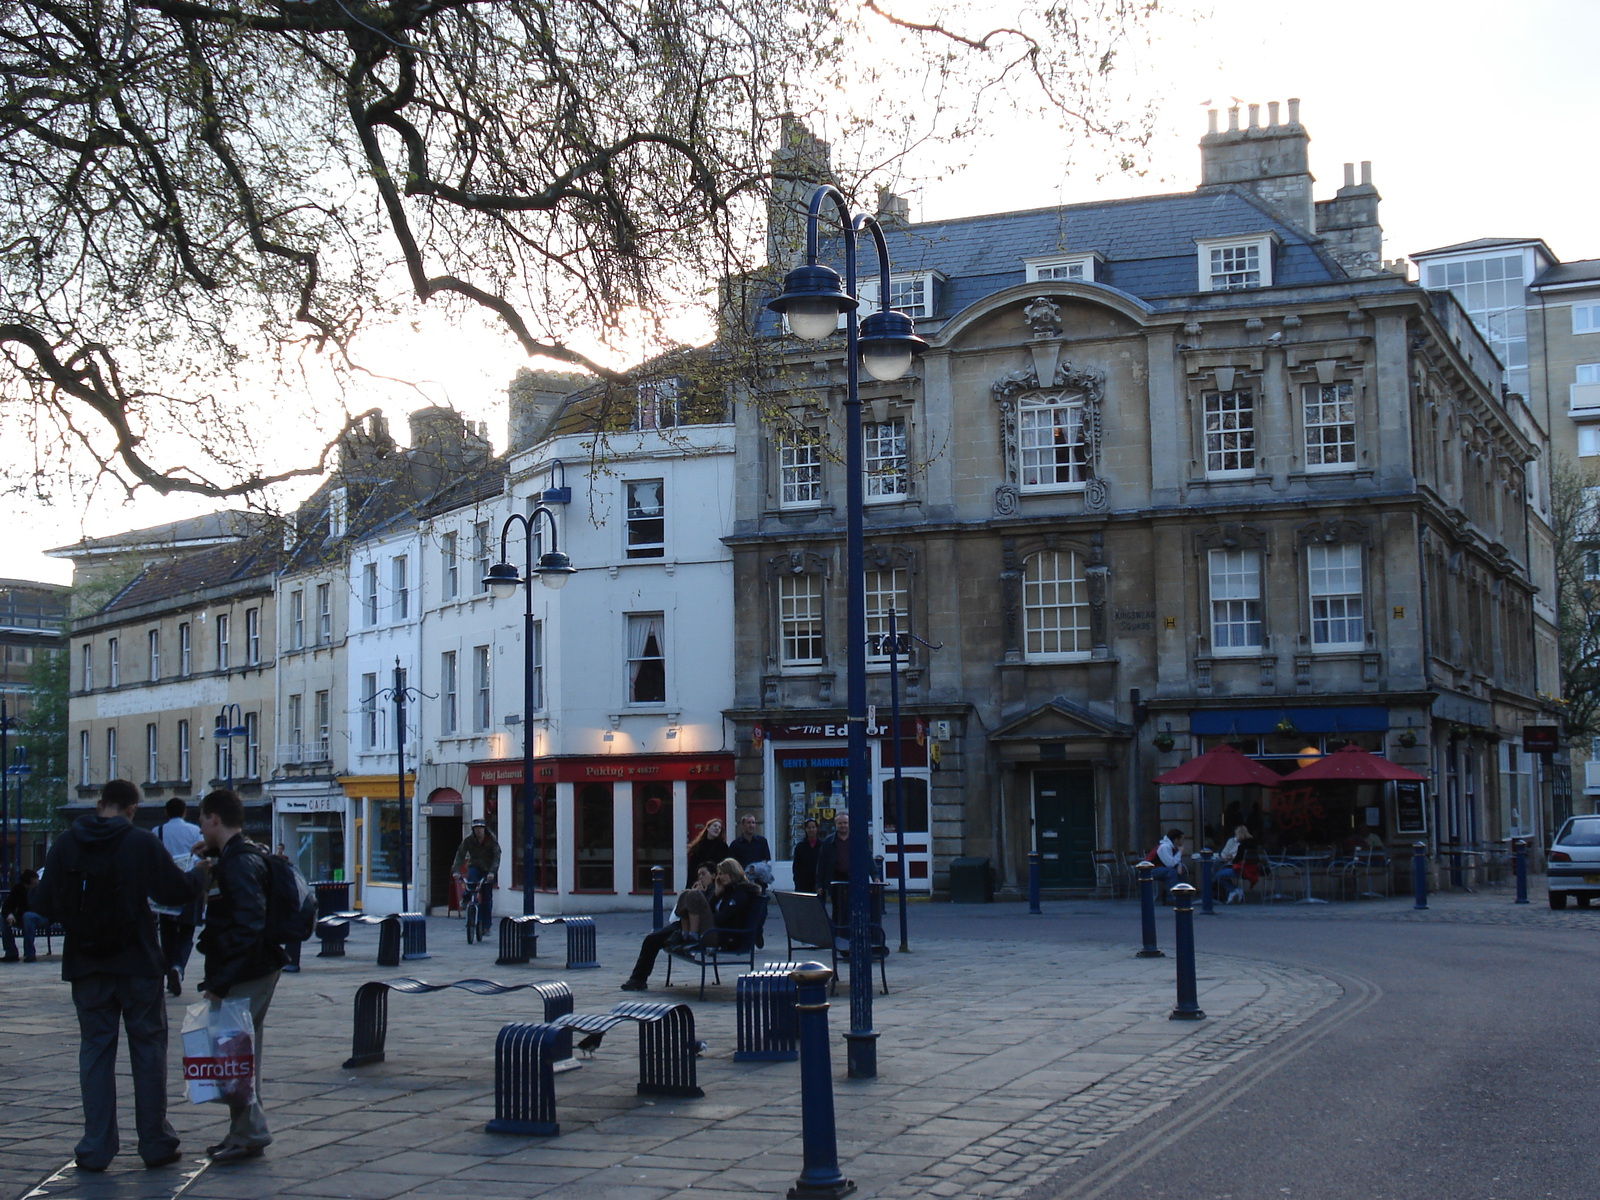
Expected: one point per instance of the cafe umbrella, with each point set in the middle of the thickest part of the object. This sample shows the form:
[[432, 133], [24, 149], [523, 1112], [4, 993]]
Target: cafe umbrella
[[1351, 764], [1221, 766]]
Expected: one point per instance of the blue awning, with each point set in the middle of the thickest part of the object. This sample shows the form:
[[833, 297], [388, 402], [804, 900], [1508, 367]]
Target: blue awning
[[1252, 721]]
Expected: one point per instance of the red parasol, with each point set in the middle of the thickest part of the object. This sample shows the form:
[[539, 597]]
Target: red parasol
[[1221, 766], [1352, 764]]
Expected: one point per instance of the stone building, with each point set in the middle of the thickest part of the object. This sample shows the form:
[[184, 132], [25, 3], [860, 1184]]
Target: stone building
[[1176, 470]]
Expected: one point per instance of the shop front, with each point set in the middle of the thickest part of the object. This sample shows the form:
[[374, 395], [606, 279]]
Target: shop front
[[377, 842], [601, 823], [309, 822], [805, 768]]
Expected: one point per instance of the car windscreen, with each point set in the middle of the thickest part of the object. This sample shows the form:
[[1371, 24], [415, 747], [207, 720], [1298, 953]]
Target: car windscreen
[[1581, 833]]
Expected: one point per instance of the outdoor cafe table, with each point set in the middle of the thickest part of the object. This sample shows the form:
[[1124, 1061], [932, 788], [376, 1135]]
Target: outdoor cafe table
[[1305, 862]]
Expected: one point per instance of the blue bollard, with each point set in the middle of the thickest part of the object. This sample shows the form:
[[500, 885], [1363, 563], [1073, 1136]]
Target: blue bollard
[[1188, 1008], [1519, 851], [821, 1178], [1033, 886], [659, 917], [1147, 910], [1205, 883], [1419, 874]]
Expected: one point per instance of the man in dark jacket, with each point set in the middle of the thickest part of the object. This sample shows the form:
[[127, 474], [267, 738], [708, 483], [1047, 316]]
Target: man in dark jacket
[[750, 850], [240, 962], [479, 853], [123, 867], [15, 915]]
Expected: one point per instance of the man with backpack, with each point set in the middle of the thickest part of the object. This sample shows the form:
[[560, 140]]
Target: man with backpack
[[98, 881], [243, 959]]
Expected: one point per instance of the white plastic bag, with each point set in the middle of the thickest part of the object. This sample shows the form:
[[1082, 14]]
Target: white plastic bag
[[219, 1052]]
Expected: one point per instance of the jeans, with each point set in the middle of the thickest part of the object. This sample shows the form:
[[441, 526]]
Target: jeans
[[1166, 877], [104, 1002], [31, 924], [485, 898], [1229, 879], [247, 1123]]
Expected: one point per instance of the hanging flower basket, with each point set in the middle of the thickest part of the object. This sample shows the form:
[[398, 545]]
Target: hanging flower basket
[[1164, 742], [1286, 727], [1407, 738]]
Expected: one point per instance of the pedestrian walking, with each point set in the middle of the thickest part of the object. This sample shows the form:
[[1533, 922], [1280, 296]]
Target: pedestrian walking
[[240, 962], [180, 836], [98, 881]]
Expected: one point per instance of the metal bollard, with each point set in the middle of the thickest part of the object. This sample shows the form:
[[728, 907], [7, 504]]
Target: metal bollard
[[659, 918], [1419, 874], [1519, 851], [1033, 885], [1188, 1008], [1147, 910], [821, 1178], [1205, 883]]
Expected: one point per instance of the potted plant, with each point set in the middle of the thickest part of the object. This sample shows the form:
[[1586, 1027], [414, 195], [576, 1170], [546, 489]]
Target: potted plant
[[1407, 738], [1164, 741], [1286, 728]]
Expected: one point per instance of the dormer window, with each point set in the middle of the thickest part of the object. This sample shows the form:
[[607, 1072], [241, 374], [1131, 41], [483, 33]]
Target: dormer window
[[915, 294], [1081, 267], [1236, 263]]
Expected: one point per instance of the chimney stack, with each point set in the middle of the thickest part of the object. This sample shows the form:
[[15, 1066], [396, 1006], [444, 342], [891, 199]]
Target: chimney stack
[[1271, 162], [1349, 224]]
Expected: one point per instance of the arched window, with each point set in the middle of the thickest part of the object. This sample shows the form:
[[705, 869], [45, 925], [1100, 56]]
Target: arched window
[[1055, 605]]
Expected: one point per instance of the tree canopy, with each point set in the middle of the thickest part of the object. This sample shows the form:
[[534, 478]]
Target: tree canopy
[[196, 194]]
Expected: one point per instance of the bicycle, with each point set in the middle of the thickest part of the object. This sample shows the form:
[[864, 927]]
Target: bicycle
[[475, 908]]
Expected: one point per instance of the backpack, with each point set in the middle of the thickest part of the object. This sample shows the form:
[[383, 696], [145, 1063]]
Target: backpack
[[291, 904], [99, 919]]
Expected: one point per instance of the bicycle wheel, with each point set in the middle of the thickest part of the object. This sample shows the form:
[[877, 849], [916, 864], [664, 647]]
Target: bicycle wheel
[[472, 922]]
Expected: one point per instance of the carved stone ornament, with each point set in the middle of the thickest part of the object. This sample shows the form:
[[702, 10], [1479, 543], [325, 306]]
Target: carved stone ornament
[[1006, 500], [1067, 383], [1043, 317]]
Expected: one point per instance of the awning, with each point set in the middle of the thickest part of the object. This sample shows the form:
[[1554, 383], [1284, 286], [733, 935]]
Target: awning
[[1222, 722]]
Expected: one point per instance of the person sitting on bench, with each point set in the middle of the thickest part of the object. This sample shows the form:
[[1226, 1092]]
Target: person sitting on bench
[[728, 909]]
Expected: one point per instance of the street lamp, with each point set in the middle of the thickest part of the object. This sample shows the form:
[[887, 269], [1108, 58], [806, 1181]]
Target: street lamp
[[230, 725], [19, 770], [884, 344], [503, 579], [7, 724]]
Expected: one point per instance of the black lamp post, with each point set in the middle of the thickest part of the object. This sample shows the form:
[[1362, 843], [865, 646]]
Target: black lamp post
[[230, 725], [19, 770], [399, 694], [885, 343], [7, 724], [503, 579]]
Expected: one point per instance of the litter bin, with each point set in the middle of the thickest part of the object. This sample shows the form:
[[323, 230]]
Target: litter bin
[[332, 897], [971, 881]]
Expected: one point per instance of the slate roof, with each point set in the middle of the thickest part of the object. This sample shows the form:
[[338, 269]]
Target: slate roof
[[197, 572], [1586, 270], [1489, 243], [1147, 243]]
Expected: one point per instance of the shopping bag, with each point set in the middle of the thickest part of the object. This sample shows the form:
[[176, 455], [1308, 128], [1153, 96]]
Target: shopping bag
[[219, 1059]]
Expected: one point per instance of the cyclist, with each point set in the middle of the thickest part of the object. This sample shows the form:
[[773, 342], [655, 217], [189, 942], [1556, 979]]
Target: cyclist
[[480, 854]]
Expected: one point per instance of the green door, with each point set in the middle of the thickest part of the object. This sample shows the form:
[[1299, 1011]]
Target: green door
[[1063, 827]]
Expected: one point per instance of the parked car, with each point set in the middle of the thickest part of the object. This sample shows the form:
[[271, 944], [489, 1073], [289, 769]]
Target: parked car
[[1574, 862]]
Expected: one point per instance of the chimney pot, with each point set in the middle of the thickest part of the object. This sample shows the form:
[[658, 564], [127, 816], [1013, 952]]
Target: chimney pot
[[1272, 113], [1233, 119], [1211, 120], [1349, 174], [1366, 174], [1294, 110], [1255, 116]]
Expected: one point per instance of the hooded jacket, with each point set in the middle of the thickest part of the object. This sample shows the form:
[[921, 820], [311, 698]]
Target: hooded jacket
[[144, 871]]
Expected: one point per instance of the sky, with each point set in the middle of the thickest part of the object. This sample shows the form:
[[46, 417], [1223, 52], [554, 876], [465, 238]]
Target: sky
[[1477, 119]]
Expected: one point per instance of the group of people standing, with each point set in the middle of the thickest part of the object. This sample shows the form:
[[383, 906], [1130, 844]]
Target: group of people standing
[[106, 879]]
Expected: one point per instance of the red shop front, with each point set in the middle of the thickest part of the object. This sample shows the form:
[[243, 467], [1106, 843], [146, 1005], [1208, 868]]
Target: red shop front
[[602, 822]]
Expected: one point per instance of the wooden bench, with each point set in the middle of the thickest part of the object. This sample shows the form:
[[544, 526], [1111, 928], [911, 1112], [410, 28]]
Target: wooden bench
[[371, 1024], [717, 946], [806, 924]]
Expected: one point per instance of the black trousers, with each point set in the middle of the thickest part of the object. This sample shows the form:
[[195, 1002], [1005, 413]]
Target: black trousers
[[651, 950]]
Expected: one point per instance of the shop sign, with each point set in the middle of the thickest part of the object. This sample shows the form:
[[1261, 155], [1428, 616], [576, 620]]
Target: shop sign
[[910, 728], [1410, 813], [308, 804], [622, 768], [1541, 739]]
